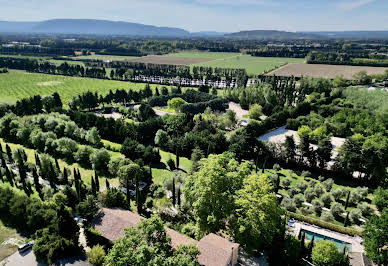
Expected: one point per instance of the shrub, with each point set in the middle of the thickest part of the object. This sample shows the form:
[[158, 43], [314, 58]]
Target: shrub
[[326, 253], [317, 206], [330, 226], [309, 194], [292, 191], [302, 186], [327, 216], [306, 173], [355, 215], [289, 204], [328, 184], [337, 210], [255, 112], [319, 189], [298, 200], [381, 198], [321, 178], [96, 255], [276, 167], [365, 209], [190, 229], [337, 194], [176, 103], [285, 183], [357, 195], [326, 199], [306, 210], [312, 183]]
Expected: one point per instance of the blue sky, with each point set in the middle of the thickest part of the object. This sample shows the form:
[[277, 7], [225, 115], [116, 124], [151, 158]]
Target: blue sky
[[212, 15]]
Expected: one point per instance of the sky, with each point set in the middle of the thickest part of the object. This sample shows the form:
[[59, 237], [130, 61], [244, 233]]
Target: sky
[[212, 15]]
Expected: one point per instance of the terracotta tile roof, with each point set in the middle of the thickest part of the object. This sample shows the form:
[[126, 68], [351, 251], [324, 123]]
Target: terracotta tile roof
[[111, 222], [179, 239], [216, 250]]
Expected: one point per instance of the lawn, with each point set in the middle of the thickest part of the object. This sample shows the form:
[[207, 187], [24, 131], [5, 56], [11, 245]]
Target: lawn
[[160, 172], [20, 84], [6, 234]]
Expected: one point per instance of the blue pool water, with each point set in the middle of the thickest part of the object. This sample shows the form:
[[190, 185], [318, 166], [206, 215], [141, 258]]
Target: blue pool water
[[340, 244]]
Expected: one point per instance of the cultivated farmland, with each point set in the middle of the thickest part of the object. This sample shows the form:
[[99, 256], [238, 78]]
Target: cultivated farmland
[[169, 60], [253, 65], [324, 71]]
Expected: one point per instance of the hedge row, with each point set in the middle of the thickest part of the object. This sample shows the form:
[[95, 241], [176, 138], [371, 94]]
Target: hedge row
[[195, 108], [190, 96], [330, 226]]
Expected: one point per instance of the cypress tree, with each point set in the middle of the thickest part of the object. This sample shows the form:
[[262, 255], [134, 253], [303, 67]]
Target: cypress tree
[[65, 176], [177, 158], [107, 184], [9, 176], [1, 177], [52, 177], [24, 156], [346, 219], [179, 196], [37, 160], [303, 245], [38, 186], [347, 200], [173, 191], [57, 165], [9, 153], [277, 184], [127, 192], [3, 163], [97, 182], [310, 248], [138, 200], [93, 187]]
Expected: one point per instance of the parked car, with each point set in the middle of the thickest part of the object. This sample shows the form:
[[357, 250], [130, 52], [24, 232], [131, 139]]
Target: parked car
[[25, 246]]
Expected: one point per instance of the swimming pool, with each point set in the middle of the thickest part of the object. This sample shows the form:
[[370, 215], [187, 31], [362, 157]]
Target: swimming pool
[[340, 244]]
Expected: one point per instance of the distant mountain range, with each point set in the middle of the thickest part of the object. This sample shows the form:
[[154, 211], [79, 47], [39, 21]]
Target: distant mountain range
[[271, 34], [90, 26], [106, 27]]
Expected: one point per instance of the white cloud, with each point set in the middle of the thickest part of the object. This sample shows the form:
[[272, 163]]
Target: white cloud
[[350, 5]]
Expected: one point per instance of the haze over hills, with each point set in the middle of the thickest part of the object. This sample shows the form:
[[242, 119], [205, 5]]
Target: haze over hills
[[106, 27], [270, 34], [90, 26]]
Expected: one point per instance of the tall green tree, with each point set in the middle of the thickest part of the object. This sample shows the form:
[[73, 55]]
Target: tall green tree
[[211, 190], [258, 214], [375, 237]]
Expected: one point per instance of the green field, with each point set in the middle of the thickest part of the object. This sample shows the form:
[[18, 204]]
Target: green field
[[16, 85], [253, 65]]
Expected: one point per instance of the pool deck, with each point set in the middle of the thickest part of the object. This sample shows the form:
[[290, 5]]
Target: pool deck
[[356, 245]]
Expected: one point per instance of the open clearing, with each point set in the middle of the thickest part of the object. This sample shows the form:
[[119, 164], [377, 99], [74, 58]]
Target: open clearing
[[324, 71], [16, 85]]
